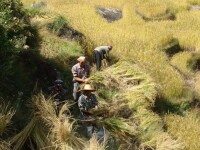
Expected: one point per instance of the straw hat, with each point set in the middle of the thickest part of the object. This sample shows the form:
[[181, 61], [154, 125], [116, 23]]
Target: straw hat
[[87, 87], [81, 59]]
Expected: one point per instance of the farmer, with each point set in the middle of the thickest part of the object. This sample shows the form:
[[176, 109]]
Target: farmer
[[57, 91], [100, 53], [87, 104], [81, 72]]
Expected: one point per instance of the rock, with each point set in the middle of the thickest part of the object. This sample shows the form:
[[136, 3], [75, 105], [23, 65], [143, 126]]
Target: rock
[[110, 14], [39, 5]]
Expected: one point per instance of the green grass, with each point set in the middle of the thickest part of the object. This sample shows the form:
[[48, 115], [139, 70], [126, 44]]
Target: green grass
[[57, 24]]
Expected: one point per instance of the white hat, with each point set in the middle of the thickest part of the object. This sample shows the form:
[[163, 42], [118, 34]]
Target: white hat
[[81, 59]]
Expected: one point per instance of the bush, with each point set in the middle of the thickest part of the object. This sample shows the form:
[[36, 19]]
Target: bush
[[15, 24], [58, 24]]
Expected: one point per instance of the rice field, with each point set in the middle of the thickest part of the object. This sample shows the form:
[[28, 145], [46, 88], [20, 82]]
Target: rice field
[[136, 38], [144, 71]]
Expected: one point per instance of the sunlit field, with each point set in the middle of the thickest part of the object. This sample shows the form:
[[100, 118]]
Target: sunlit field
[[133, 37], [147, 71]]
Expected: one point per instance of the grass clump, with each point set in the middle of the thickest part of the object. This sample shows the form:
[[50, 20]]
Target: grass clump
[[52, 47], [57, 24], [154, 11]]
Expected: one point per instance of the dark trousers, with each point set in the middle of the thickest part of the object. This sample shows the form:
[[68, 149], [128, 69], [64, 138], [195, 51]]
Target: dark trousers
[[97, 59]]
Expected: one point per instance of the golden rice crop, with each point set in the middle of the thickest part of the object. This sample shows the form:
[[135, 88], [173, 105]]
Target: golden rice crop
[[134, 38], [186, 128]]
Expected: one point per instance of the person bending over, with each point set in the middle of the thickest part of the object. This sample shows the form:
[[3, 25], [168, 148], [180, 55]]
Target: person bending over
[[100, 53]]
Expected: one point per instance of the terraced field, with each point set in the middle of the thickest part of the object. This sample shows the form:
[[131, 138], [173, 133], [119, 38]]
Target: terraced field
[[150, 93]]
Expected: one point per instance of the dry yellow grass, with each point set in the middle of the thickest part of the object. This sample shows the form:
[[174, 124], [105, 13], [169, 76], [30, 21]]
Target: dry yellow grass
[[94, 144], [61, 130], [186, 128]]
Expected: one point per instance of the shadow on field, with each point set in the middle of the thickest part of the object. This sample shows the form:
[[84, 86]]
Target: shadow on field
[[25, 73], [163, 106]]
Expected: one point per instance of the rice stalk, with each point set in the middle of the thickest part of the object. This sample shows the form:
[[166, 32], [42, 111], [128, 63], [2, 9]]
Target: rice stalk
[[61, 128], [118, 128], [4, 145], [6, 114], [18, 140], [45, 108], [95, 144]]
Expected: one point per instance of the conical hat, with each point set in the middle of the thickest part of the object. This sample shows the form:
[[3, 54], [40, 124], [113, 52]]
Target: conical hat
[[87, 87]]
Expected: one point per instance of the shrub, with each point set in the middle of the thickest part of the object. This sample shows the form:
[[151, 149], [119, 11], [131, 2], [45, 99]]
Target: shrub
[[16, 24], [57, 24]]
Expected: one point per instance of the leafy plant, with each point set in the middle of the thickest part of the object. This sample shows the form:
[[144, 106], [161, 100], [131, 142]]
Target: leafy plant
[[57, 24]]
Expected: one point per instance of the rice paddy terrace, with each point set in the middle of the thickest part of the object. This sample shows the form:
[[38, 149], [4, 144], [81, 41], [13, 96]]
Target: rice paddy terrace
[[150, 93]]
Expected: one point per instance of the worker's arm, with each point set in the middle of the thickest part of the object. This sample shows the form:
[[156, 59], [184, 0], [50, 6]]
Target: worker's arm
[[86, 112], [81, 80], [107, 57]]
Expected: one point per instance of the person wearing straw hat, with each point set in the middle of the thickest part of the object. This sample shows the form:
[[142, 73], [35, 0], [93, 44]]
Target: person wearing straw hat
[[81, 72], [100, 53], [87, 103]]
